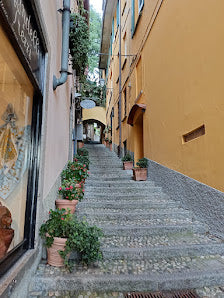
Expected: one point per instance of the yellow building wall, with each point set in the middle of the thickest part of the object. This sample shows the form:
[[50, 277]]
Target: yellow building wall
[[185, 89], [181, 52], [97, 113]]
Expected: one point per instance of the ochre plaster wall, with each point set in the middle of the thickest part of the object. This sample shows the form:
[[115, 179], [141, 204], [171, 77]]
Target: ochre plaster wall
[[97, 113], [182, 84]]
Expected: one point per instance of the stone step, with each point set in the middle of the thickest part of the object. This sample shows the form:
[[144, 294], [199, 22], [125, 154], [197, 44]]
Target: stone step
[[130, 191], [152, 230], [138, 204], [152, 197], [118, 184], [104, 222], [110, 178], [167, 240], [138, 275], [159, 252], [126, 187], [125, 215]]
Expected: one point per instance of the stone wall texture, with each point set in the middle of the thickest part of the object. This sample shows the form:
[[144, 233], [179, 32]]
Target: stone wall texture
[[205, 202]]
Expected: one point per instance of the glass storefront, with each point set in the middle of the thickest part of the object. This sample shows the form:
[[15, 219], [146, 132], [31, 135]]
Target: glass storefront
[[16, 105]]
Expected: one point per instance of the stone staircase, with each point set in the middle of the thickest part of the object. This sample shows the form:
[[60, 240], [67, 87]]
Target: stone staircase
[[150, 243]]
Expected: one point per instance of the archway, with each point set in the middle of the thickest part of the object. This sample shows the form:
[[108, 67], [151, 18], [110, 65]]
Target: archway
[[93, 131]]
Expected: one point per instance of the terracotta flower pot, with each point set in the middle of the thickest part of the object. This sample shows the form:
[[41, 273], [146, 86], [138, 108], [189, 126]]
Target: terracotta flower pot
[[65, 204], [127, 165], [6, 236], [140, 174], [110, 145], [53, 257], [80, 145]]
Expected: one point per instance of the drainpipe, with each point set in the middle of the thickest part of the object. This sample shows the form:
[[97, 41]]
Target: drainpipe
[[120, 87], [65, 45]]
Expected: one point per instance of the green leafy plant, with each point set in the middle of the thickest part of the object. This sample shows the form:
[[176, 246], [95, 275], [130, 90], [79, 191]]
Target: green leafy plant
[[127, 157], [110, 141], [84, 159], [70, 191], [79, 43], [106, 139], [76, 171], [142, 163], [81, 237], [83, 152]]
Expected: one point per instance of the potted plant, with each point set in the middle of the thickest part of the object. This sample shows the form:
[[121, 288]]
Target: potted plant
[[71, 193], [83, 152], [140, 173], [84, 159], [75, 170], [110, 145], [107, 142], [127, 162], [64, 233]]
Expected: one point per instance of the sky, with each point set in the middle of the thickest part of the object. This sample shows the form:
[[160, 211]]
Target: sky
[[97, 4]]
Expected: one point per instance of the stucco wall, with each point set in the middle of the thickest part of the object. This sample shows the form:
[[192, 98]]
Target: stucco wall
[[97, 113], [182, 85]]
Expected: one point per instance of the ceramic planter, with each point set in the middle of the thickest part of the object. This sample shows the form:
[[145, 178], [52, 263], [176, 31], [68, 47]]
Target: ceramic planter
[[80, 145], [140, 174], [66, 204], [53, 257], [127, 165]]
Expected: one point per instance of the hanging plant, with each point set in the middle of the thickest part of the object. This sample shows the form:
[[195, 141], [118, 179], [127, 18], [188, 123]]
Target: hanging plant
[[79, 43]]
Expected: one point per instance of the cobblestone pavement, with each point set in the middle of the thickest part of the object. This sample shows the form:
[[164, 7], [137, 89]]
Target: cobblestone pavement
[[150, 243]]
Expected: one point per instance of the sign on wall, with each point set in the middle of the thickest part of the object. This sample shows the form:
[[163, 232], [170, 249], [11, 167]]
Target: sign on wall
[[22, 22]]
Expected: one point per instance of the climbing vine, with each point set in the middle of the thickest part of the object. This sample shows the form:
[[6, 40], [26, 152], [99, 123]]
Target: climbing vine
[[79, 43]]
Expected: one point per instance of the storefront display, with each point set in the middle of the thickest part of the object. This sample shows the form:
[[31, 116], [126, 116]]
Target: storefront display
[[22, 71]]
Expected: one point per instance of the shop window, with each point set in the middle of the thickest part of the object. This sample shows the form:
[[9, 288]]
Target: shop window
[[16, 105]]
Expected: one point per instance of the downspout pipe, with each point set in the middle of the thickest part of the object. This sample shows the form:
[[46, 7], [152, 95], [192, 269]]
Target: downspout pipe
[[65, 45]]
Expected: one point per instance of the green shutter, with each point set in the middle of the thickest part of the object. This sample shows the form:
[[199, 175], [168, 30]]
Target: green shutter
[[118, 13], [113, 30], [132, 17]]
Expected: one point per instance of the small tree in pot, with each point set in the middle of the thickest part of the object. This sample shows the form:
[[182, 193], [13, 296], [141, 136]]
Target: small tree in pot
[[127, 162], [140, 173]]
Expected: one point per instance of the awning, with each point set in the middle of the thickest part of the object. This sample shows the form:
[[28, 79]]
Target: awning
[[133, 111]]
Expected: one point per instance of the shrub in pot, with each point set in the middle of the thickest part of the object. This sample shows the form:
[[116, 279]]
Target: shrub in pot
[[110, 145], [140, 173], [71, 193], [74, 236], [127, 162], [75, 170], [84, 159], [83, 152]]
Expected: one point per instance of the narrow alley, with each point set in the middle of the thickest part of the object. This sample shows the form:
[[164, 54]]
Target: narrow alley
[[150, 243]]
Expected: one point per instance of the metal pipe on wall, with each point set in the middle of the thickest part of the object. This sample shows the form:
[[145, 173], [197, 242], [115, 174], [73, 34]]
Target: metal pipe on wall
[[120, 90], [65, 45]]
